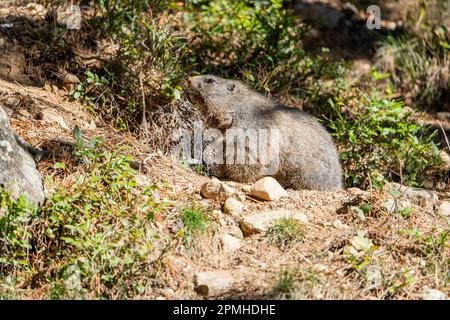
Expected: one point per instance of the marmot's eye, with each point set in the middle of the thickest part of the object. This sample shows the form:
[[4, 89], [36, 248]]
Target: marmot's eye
[[210, 81]]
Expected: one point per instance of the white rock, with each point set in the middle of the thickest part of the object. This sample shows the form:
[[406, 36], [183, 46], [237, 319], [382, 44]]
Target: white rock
[[50, 116], [339, 225], [420, 197], [444, 208], [268, 189], [142, 180], [212, 283], [232, 206], [230, 243], [445, 157], [216, 190], [432, 294], [260, 222]]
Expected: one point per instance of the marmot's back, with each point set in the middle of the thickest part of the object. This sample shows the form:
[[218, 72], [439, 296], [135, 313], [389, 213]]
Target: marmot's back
[[305, 156]]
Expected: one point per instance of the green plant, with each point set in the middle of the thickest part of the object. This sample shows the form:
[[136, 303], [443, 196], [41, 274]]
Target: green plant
[[285, 232], [257, 41], [195, 221], [17, 218], [379, 141], [284, 286], [144, 70], [419, 59]]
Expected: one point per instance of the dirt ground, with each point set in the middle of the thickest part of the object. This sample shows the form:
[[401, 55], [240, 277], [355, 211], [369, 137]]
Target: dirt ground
[[327, 263]]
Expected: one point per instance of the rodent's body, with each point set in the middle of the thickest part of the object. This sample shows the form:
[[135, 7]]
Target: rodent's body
[[307, 157]]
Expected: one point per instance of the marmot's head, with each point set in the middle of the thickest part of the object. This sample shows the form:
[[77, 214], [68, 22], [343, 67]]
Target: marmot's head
[[218, 99]]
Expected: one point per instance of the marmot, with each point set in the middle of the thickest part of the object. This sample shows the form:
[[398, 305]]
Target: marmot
[[305, 156]]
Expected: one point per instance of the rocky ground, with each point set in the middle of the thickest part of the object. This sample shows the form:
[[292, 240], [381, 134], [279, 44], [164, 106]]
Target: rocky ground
[[353, 244]]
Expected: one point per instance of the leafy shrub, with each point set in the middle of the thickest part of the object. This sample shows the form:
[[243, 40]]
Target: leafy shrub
[[257, 41], [94, 234], [419, 60], [144, 71], [16, 225], [194, 221], [380, 141]]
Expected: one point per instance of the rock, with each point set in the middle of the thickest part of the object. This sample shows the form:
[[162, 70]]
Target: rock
[[213, 283], [445, 157], [246, 188], [324, 16], [69, 81], [319, 268], [142, 180], [230, 243], [168, 292], [444, 208], [235, 231], [242, 197], [260, 222], [232, 206], [197, 197], [50, 116], [216, 190], [18, 173], [268, 189], [444, 116], [419, 197], [68, 78], [432, 294], [13, 102], [339, 225]]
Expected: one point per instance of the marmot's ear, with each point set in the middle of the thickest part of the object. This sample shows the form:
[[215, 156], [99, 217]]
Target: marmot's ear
[[231, 86]]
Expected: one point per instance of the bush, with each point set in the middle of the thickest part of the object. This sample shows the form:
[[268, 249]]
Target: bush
[[419, 60], [257, 41], [16, 226], [94, 235], [142, 73], [379, 141]]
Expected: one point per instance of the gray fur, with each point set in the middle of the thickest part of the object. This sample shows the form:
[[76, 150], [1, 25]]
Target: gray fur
[[308, 158]]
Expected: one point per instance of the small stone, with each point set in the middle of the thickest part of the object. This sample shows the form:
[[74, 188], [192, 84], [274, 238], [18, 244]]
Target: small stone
[[13, 102], [50, 116], [230, 243], [242, 197], [232, 206], [197, 197], [246, 188], [444, 208], [420, 197], [267, 189], [444, 116], [339, 225], [235, 231], [318, 268], [168, 292], [216, 190], [260, 222], [142, 181], [350, 251], [445, 157], [432, 294], [69, 78], [390, 206], [23, 113], [212, 283]]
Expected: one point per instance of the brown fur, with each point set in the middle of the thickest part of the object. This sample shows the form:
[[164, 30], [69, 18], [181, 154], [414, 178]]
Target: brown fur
[[308, 158]]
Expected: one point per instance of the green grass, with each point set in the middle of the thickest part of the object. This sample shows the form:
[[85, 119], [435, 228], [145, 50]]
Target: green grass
[[285, 232], [285, 285], [195, 222]]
